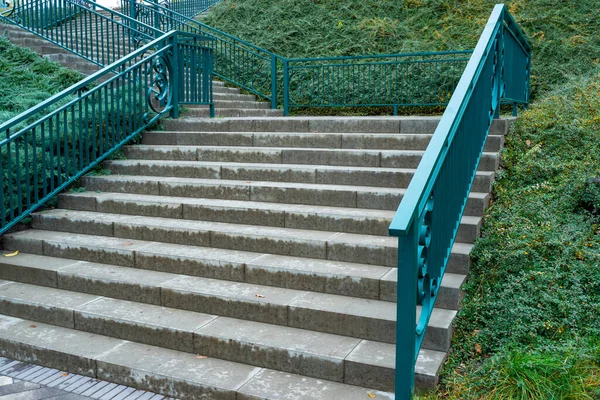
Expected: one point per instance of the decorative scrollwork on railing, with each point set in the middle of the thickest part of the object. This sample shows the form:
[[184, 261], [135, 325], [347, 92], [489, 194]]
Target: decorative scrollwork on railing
[[159, 95], [427, 285], [7, 8]]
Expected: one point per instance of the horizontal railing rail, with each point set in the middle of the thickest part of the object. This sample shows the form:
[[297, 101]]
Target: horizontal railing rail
[[48, 147], [429, 215]]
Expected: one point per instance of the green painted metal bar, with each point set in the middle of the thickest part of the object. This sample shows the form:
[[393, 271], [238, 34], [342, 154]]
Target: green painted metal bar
[[429, 215], [82, 125]]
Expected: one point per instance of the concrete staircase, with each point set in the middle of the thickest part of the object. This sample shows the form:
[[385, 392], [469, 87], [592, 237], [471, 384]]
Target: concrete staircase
[[229, 102], [235, 258]]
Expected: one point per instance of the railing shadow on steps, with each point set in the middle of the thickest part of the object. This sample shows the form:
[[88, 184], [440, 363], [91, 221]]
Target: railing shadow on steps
[[48, 147], [427, 219]]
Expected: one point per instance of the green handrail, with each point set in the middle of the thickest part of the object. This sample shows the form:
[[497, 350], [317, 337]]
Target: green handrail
[[48, 147], [429, 215]]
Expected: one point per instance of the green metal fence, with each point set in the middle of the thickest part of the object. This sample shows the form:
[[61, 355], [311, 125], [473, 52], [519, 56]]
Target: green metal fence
[[417, 79], [396, 80], [187, 8], [429, 215], [48, 147], [94, 33]]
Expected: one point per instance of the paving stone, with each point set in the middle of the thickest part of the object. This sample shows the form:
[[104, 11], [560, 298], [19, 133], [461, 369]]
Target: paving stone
[[118, 389], [41, 304], [117, 282], [316, 275], [371, 364], [32, 269], [276, 385], [159, 326], [360, 318], [17, 387], [231, 299], [35, 394], [53, 346], [287, 349], [173, 373]]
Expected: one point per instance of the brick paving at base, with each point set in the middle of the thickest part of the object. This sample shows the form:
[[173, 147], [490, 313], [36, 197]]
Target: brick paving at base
[[23, 381]]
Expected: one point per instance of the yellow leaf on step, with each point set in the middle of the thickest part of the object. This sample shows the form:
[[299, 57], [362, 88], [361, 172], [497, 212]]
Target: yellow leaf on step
[[12, 254], [371, 395]]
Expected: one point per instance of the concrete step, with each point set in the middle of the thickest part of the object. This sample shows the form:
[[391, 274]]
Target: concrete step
[[314, 354], [383, 141], [218, 96], [321, 276], [234, 112], [410, 125], [225, 90], [336, 246], [231, 104], [295, 216], [292, 155], [31, 40], [168, 372], [326, 313], [274, 192], [320, 174]]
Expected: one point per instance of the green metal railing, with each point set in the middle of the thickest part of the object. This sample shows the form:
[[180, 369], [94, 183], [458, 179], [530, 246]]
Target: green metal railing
[[187, 8], [101, 38], [48, 147], [417, 79], [429, 215], [396, 80]]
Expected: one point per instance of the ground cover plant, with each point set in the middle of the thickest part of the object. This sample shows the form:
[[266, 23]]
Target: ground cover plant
[[564, 34], [72, 138], [530, 323]]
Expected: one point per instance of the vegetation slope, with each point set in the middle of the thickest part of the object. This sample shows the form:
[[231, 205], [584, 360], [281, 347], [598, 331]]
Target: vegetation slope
[[530, 323]]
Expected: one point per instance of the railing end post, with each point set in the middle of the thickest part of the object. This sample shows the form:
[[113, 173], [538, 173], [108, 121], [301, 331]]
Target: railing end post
[[286, 88], [406, 320], [273, 82]]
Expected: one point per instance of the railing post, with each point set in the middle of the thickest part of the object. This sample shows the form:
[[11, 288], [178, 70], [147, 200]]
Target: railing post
[[273, 81], [174, 76], [286, 88], [406, 318]]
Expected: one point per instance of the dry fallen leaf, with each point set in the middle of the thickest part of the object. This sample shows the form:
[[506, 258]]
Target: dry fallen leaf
[[371, 395], [12, 254], [260, 296], [201, 357], [477, 348], [65, 374], [528, 143], [33, 326]]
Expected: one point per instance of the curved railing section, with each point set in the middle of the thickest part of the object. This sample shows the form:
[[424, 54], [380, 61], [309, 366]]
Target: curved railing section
[[429, 215], [51, 145]]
